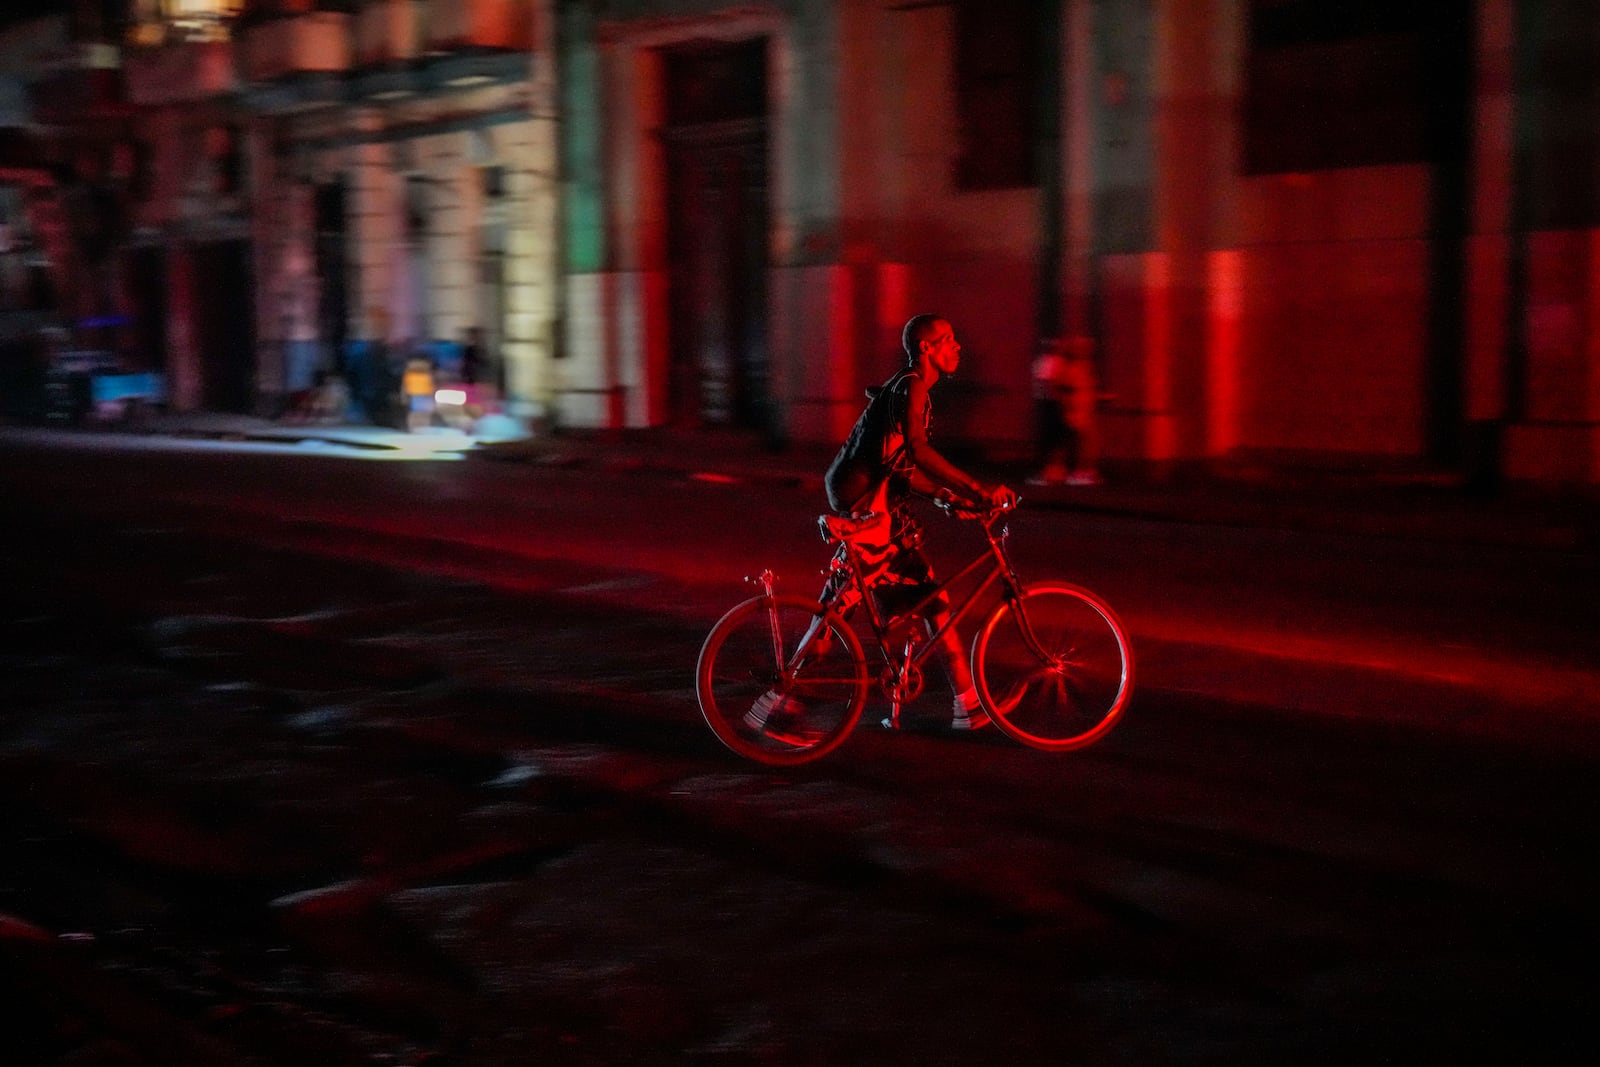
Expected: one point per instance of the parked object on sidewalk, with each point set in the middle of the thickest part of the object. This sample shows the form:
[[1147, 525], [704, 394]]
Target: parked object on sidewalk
[[416, 386], [90, 384], [126, 397], [330, 401]]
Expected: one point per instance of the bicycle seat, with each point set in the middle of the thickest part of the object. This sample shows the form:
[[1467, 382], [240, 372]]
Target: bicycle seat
[[836, 528]]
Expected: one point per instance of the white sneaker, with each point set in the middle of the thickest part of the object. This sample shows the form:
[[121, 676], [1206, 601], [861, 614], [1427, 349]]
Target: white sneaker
[[781, 719], [763, 708], [967, 713]]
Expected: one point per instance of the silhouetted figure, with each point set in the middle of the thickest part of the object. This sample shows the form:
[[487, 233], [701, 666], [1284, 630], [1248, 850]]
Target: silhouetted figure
[[1065, 396], [887, 459], [472, 356]]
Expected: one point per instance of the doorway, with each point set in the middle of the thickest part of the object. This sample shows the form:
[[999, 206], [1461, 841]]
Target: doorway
[[333, 304], [225, 326], [491, 294], [147, 297], [715, 142]]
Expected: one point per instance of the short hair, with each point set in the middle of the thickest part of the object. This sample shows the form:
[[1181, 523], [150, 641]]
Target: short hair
[[917, 329]]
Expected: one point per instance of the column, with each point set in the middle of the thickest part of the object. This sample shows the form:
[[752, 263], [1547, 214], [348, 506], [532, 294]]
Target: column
[[183, 358]]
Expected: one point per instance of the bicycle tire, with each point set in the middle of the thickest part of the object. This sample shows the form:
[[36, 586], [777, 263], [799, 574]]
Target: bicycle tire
[[1075, 695], [819, 704]]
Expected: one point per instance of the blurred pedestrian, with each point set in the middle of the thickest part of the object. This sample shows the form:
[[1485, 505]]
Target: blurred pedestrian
[[1050, 413], [472, 356], [332, 398], [1066, 394]]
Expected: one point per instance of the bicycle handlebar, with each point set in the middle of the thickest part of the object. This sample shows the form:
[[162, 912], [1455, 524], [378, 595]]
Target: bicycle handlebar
[[947, 502]]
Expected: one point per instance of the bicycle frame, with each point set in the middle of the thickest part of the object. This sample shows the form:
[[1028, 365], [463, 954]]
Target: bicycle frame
[[1000, 570], [1050, 661]]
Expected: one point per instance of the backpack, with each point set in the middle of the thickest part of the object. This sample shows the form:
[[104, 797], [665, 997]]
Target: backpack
[[875, 449]]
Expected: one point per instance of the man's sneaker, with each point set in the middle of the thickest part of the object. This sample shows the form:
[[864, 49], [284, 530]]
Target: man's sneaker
[[764, 707], [780, 718], [968, 714]]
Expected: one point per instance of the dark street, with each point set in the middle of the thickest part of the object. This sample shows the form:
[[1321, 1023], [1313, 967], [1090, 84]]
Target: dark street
[[319, 761]]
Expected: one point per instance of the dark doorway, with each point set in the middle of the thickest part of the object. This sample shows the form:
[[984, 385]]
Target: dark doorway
[[147, 293], [716, 156], [491, 298], [225, 326], [333, 305]]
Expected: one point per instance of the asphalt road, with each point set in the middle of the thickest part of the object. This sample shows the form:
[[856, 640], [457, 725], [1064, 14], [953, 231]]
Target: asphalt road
[[314, 761]]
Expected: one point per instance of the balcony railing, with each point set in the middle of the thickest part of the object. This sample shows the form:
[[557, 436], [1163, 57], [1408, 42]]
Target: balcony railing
[[502, 25], [388, 31], [317, 42], [391, 31]]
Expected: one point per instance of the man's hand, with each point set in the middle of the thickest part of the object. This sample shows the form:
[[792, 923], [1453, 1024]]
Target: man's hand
[[1001, 498]]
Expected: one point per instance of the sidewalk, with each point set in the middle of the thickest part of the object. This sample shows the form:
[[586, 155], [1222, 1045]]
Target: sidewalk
[[1393, 504]]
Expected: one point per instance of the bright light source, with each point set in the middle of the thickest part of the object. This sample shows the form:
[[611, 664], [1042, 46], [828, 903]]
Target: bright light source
[[449, 396]]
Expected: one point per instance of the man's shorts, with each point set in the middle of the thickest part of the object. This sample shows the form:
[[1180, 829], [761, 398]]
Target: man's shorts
[[893, 567]]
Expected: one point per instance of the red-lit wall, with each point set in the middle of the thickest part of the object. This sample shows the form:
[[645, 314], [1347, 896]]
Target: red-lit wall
[[1333, 270]]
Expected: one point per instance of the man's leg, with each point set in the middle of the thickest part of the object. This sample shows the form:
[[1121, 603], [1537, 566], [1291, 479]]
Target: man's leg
[[773, 711], [966, 711], [953, 655]]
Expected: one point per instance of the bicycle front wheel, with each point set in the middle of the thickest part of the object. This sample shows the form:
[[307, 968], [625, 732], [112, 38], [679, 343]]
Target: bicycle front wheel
[[1053, 668], [781, 680]]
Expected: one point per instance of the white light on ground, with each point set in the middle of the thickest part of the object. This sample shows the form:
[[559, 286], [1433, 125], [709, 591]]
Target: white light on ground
[[433, 446]]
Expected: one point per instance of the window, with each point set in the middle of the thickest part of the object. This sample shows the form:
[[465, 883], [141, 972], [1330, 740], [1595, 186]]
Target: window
[[1344, 84], [416, 208], [996, 78], [716, 82], [1559, 98], [224, 150], [494, 182]]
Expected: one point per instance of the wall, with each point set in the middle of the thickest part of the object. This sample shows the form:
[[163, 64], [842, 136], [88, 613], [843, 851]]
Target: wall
[[1333, 273], [914, 241]]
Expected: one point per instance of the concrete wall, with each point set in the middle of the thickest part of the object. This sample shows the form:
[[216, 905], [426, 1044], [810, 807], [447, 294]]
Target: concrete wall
[[1334, 304], [866, 225], [969, 255]]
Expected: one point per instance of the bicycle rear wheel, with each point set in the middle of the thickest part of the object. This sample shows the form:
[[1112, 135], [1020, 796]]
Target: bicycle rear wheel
[[1054, 668], [781, 680]]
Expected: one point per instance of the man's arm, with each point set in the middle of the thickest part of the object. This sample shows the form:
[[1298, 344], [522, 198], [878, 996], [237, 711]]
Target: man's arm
[[930, 470]]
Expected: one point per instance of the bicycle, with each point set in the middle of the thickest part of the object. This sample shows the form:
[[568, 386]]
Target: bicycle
[[1052, 664]]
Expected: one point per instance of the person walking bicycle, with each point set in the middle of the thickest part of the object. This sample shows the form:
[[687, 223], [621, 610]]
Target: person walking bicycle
[[782, 679], [888, 458]]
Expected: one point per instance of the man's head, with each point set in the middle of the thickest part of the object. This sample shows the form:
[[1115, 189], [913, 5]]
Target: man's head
[[930, 337]]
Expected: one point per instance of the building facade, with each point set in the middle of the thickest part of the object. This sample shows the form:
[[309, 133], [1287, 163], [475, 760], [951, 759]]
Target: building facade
[[338, 183], [1353, 234], [408, 161], [1358, 234]]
